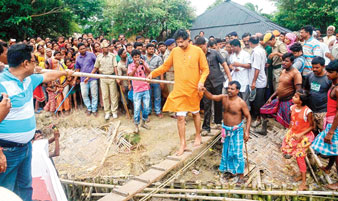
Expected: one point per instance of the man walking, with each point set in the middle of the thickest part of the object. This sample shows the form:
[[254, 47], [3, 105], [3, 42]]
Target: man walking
[[191, 70], [106, 64], [85, 63]]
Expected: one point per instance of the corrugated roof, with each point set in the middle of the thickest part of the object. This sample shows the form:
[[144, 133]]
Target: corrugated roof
[[230, 16]]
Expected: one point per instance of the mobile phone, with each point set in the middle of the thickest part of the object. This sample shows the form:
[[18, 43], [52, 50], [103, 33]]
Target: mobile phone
[[1, 97], [141, 62]]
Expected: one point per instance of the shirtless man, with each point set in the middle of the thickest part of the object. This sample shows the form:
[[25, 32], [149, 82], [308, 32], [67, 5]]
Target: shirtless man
[[235, 108]]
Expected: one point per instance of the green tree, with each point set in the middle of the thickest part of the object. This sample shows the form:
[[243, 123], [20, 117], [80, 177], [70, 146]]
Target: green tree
[[21, 19], [294, 14], [150, 18], [216, 3], [253, 7]]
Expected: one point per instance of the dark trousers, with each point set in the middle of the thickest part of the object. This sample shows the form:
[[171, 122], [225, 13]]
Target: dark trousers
[[258, 102], [207, 107]]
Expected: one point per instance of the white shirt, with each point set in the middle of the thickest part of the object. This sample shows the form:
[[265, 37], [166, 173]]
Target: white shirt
[[327, 40], [324, 49], [258, 60], [242, 76]]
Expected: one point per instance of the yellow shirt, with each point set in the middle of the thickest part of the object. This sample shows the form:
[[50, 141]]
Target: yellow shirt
[[190, 67]]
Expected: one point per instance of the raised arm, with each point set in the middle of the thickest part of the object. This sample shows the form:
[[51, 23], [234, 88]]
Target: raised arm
[[163, 68], [210, 96]]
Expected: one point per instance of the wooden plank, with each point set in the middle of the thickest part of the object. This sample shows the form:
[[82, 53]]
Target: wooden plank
[[151, 175], [155, 173]]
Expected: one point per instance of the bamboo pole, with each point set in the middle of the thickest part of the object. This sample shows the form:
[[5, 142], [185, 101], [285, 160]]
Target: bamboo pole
[[102, 76], [67, 182], [319, 163], [311, 169], [110, 143]]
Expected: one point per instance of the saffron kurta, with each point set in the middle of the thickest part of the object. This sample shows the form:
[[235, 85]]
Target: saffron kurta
[[190, 68]]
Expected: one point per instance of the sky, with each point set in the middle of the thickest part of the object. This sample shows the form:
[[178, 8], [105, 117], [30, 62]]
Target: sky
[[201, 5]]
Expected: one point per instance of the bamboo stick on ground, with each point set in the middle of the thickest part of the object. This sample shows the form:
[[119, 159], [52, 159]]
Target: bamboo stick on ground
[[102, 76], [319, 163], [311, 170], [110, 143]]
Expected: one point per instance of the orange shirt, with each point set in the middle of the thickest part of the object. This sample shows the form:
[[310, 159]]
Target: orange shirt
[[190, 67]]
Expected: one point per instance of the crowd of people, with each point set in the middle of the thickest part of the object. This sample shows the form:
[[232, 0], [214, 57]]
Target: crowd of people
[[289, 76]]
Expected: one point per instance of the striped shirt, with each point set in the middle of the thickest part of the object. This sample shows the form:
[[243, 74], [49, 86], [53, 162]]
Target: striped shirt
[[19, 125], [311, 49]]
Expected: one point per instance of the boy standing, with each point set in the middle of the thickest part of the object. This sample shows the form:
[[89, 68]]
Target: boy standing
[[141, 96], [232, 131]]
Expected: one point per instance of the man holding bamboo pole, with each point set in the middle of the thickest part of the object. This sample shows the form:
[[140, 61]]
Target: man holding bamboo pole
[[191, 70]]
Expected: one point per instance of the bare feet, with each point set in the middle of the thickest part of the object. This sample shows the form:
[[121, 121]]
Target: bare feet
[[325, 170], [181, 150], [297, 178], [159, 115], [302, 187], [332, 186], [198, 141]]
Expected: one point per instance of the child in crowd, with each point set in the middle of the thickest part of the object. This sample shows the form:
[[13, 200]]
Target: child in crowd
[[72, 82], [299, 136], [51, 91]]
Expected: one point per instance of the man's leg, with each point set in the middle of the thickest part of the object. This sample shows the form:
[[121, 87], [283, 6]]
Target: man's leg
[[145, 101], [23, 185], [94, 94], [151, 91], [105, 96], [335, 185], [14, 158], [85, 95], [218, 106], [197, 122], [114, 97], [137, 109], [157, 98], [207, 111], [181, 133]]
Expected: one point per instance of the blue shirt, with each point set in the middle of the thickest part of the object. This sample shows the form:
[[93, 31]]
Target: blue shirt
[[86, 64], [19, 125]]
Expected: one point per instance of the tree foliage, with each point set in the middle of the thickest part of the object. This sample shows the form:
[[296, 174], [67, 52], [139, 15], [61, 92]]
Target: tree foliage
[[253, 7], [294, 14], [216, 3], [150, 18]]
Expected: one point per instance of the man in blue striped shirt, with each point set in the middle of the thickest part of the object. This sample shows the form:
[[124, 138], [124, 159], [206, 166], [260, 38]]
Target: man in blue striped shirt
[[311, 48], [17, 119]]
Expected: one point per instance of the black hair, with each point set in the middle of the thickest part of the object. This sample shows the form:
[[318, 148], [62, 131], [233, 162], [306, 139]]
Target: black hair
[[181, 33], [4, 44], [246, 35], [38, 131], [308, 29], [56, 52], [67, 59], [332, 66], [304, 96], [238, 85], [218, 40], [318, 60], [150, 45], [18, 53], [210, 37], [160, 43], [138, 37], [80, 44], [296, 47], [129, 44], [283, 33], [254, 40], [137, 44], [235, 42], [135, 52], [212, 43], [200, 41], [1, 49], [288, 55], [120, 51], [201, 32]]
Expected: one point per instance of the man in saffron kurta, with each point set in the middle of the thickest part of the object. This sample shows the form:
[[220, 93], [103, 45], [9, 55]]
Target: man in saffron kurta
[[191, 70]]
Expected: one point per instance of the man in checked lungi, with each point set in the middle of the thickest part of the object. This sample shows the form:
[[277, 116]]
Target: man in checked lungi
[[233, 134], [278, 105], [326, 142]]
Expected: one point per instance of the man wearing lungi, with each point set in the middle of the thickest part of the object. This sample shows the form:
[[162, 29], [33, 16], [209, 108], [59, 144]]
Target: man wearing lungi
[[290, 80], [326, 142], [233, 135]]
